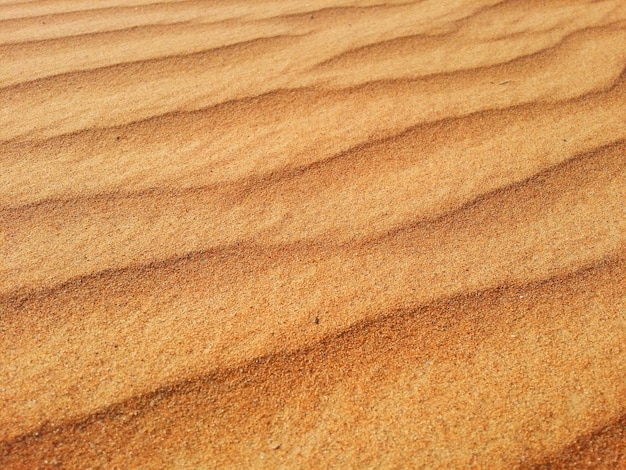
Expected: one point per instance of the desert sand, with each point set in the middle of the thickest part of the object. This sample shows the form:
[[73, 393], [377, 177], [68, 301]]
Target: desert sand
[[312, 234]]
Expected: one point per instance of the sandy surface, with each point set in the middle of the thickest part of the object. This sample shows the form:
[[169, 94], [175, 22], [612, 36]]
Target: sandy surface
[[324, 234]]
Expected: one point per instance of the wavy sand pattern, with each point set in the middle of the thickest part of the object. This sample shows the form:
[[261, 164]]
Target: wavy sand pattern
[[330, 234]]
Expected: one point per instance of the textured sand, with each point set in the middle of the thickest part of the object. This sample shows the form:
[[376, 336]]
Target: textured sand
[[323, 234]]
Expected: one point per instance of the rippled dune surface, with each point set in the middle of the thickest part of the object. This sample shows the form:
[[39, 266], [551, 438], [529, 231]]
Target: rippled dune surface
[[312, 234]]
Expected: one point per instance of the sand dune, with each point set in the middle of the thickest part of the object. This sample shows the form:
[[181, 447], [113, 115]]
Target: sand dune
[[312, 234]]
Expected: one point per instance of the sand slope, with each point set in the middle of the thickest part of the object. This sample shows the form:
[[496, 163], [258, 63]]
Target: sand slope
[[312, 234]]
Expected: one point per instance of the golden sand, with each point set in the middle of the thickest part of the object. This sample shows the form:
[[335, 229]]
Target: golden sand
[[323, 234]]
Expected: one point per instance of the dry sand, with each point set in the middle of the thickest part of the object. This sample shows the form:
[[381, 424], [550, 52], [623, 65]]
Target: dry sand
[[323, 234]]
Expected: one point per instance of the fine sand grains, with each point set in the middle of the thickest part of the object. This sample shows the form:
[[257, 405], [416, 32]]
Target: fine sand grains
[[331, 234]]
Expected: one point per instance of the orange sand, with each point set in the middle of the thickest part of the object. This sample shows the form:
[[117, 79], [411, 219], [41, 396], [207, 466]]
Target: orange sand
[[331, 234]]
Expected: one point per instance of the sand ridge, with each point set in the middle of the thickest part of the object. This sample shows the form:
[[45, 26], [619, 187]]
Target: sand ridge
[[330, 234]]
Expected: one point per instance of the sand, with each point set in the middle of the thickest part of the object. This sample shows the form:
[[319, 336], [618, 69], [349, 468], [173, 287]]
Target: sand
[[330, 234]]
